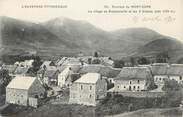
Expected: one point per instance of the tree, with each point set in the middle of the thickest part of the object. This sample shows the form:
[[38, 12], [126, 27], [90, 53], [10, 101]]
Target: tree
[[119, 63], [110, 58], [163, 57], [179, 61], [4, 75], [143, 60], [132, 60], [35, 66], [96, 54], [89, 60], [171, 85], [96, 61]]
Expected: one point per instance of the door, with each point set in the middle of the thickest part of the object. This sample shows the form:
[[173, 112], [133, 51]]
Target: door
[[130, 88]]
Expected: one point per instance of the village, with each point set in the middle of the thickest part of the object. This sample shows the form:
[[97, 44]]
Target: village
[[89, 81]]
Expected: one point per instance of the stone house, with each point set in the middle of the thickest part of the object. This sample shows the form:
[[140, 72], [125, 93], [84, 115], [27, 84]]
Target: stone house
[[88, 90], [106, 71], [107, 61], [72, 62], [50, 77], [47, 64], [21, 71], [62, 77], [133, 79], [20, 89], [67, 76], [175, 72], [159, 71], [26, 63]]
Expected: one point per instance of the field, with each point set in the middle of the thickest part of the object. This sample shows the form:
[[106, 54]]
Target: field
[[168, 112]]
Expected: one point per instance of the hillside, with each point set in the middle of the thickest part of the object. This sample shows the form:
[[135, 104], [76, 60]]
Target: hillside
[[161, 45], [19, 36], [63, 36], [90, 38]]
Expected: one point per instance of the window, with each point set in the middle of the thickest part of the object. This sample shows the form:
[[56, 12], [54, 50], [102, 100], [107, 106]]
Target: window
[[97, 96], [159, 78], [118, 87], [81, 87], [36, 96], [180, 77], [138, 81], [133, 87], [90, 87], [130, 82], [130, 88], [124, 87], [138, 88], [90, 96]]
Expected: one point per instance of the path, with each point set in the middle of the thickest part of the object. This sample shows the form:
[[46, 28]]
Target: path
[[3, 107]]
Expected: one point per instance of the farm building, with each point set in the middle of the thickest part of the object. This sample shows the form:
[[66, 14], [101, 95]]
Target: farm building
[[20, 89], [133, 79], [88, 90]]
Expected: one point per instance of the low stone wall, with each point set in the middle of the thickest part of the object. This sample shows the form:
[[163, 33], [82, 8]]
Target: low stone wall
[[140, 94]]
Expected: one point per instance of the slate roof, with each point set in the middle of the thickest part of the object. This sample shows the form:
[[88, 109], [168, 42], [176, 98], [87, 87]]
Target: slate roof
[[71, 61], [129, 73], [89, 78], [51, 73], [46, 63], [90, 68], [175, 69], [103, 70], [21, 82], [159, 69]]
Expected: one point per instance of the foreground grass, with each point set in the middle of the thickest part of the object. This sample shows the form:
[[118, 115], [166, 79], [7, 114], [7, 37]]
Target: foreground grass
[[167, 112], [2, 100], [111, 105], [50, 110]]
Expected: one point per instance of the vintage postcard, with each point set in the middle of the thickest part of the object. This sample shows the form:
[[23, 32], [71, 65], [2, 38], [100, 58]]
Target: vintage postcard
[[91, 58]]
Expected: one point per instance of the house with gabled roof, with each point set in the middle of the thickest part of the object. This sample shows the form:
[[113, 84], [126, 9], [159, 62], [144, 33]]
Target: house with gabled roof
[[159, 71], [61, 61], [21, 71], [50, 76], [47, 64], [175, 72], [106, 71], [133, 79], [20, 89], [88, 89], [67, 76]]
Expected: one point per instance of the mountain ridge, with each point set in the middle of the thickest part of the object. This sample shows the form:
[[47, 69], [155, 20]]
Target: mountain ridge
[[61, 36]]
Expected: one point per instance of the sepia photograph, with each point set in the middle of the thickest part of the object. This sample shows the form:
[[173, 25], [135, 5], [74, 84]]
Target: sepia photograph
[[89, 58]]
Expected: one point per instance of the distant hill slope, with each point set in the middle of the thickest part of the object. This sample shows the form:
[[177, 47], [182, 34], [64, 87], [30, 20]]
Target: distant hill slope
[[61, 36], [172, 46], [117, 43], [20, 35], [161, 45]]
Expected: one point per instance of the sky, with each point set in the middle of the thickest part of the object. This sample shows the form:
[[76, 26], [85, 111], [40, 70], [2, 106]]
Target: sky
[[170, 24]]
